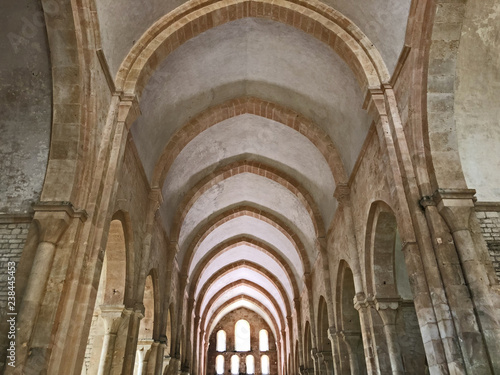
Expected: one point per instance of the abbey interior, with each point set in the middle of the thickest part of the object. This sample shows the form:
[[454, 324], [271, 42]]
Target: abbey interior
[[268, 187]]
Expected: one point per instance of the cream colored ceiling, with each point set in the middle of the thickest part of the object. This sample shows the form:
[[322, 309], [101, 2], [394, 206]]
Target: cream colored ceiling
[[249, 238]]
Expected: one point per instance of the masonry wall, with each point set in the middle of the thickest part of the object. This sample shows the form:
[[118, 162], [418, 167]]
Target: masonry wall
[[256, 324], [12, 239], [490, 227]]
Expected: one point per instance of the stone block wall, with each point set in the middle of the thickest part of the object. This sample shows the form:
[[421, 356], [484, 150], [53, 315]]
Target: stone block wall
[[12, 239], [256, 324], [490, 226]]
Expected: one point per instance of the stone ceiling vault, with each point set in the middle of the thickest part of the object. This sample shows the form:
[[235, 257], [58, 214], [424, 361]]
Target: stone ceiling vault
[[246, 210]]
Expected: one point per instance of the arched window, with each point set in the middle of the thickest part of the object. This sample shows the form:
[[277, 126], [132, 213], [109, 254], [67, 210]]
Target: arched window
[[221, 341], [250, 363], [219, 364], [235, 364], [242, 336], [263, 341], [264, 365]]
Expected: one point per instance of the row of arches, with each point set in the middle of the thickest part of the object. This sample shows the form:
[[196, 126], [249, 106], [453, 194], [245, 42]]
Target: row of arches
[[387, 284], [249, 365], [213, 213]]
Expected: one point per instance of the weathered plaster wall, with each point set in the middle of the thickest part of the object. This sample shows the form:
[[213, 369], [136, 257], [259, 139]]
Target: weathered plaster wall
[[25, 104], [477, 113]]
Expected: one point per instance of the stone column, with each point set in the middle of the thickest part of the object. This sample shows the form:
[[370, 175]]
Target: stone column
[[53, 218], [362, 304], [195, 355], [150, 356], [332, 336], [132, 338], [325, 360], [314, 356], [479, 324], [388, 310], [160, 353], [112, 316], [139, 362], [352, 340]]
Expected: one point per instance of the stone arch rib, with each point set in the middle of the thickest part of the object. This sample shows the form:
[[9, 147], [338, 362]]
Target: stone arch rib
[[193, 18]]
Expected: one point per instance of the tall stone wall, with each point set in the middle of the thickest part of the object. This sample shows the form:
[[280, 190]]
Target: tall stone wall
[[25, 104]]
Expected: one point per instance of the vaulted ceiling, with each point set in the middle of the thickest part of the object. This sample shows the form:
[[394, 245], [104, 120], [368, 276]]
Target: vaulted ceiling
[[247, 128]]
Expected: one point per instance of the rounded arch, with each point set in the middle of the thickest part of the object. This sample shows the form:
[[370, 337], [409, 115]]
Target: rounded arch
[[308, 345], [114, 266], [211, 255], [254, 106], [236, 284], [386, 274], [121, 261], [211, 320], [323, 326], [256, 168], [351, 350], [235, 212], [191, 19], [242, 336], [151, 305], [254, 267]]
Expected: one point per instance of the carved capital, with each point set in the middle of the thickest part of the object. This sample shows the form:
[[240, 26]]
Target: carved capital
[[139, 310], [53, 219], [455, 205], [342, 193], [361, 301], [374, 103], [332, 333], [112, 316], [387, 303], [128, 109]]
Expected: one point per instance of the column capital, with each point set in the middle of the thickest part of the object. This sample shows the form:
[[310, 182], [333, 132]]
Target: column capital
[[455, 205], [53, 219], [374, 102], [342, 193], [362, 301], [112, 315], [128, 109], [332, 333], [387, 303]]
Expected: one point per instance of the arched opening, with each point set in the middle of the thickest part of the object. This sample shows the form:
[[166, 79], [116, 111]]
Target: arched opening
[[324, 344], [397, 325], [235, 364], [308, 361], [219, 364], [221, 341], [250, 364], [109, 300], [263, 340], [265, 366], [146, 326], [242, 336], [350, 342]]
